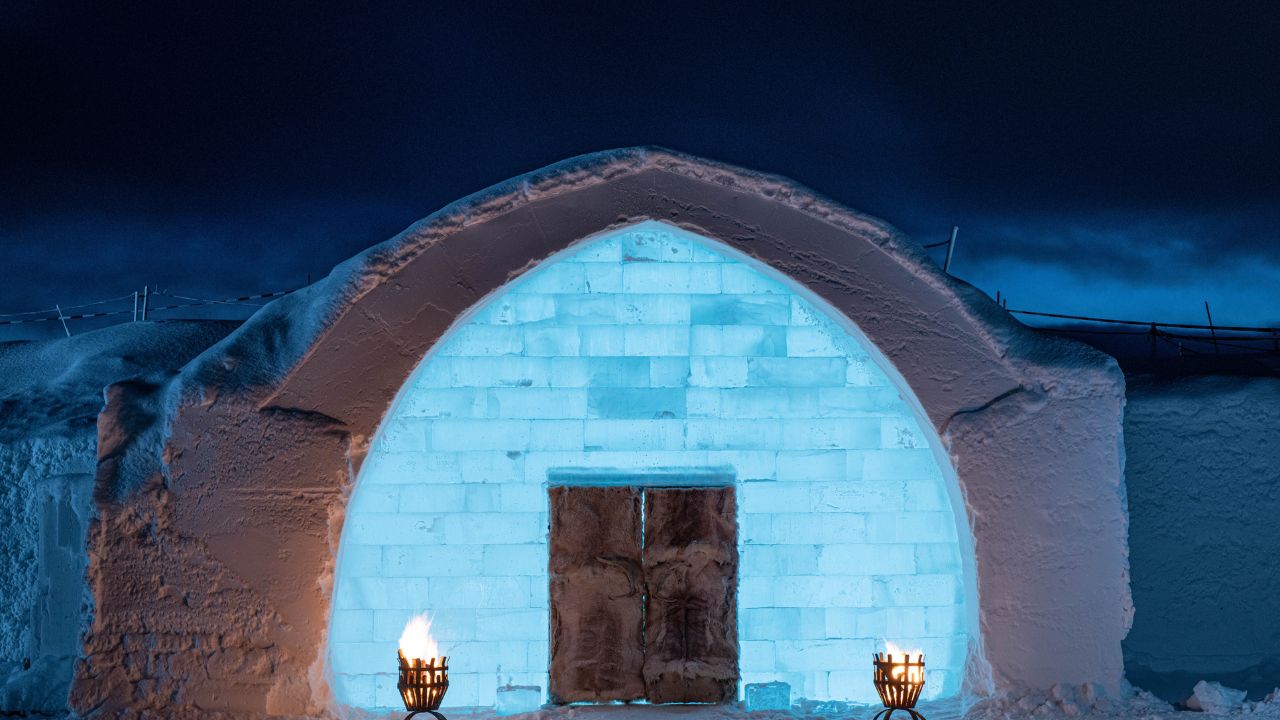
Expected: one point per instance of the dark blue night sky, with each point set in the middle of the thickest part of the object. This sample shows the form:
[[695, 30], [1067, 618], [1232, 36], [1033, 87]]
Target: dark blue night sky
[[1119, 161]]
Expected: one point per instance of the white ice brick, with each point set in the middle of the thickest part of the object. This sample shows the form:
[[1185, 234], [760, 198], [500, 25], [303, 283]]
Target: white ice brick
[[750, 341], [748, 465], [423, 467], [854, 623], [404, 435], [540, 657], [593, 309], [354, 690], [354, 656], [481, 497], [858, 401], [424, 561], [462, 435], [821, 655], [732, 434], [432, 498], [671, 278], [669, 372], [919, 590], [602, 341], [769, 402], [756, 592], [717, 372], [830, 433], [475, 340], [515, 560], [900, 433], [755, 529], [812, 341], [494, 656], [488, 466], [536, 403], [394, 529], [511, 371], [555, 279], [634, 434], [603, 277], [790, 623], [810, 529], [351, 626], [464, 690], [938, 557], [861, 371], [517, 308], [927, 495], [448, 626], [512, 624], [522, 498], [494, 528], [823, 591], [741, 279], [854, 685], [556, 435], [900, 464], [360, 560], [812, 466], [655, 340], [756, 653], [803, 313], [443, 403], [480, 592], [702, 402], [382, 593], [551, 341], [775, 560], [858, 496], [944, 621], [911, 527], [766, 497], [864, 559], [673, 309], [375, 498]]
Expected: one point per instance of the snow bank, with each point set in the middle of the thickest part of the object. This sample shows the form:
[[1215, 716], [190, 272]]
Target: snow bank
[[50, 396], [1203, 473]]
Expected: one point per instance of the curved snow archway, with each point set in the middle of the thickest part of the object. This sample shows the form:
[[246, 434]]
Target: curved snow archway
[[646, 348]]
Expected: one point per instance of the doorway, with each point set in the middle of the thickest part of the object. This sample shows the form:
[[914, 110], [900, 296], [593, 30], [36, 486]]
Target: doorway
[[644, 584]]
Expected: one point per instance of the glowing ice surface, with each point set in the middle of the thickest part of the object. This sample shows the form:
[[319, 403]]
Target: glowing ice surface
[[643, 349]]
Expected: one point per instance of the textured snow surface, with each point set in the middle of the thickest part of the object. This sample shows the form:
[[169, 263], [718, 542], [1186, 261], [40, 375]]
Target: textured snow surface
[[50, 395], [1204, 501]]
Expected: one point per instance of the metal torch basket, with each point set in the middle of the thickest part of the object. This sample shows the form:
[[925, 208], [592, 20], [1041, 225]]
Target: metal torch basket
[[896, 686], [423, 684]]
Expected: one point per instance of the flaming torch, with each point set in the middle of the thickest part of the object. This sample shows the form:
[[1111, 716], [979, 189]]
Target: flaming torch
[[898, 680], [424, 672]]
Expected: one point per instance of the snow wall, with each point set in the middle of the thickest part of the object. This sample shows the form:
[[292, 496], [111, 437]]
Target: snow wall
[[222, 493], [1203, 472], [50, 396]]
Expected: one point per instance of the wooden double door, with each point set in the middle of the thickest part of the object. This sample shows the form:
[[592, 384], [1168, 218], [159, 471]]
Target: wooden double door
[[644, 584]]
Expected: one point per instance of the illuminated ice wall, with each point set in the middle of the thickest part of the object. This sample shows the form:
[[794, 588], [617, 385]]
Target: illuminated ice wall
[[645, 348]]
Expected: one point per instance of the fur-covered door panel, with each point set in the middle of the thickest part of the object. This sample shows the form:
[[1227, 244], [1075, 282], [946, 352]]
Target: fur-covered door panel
[[597, 604], [691, 573]]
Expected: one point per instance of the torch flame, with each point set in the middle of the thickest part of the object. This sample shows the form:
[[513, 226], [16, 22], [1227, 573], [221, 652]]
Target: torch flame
[[913, 673], [416, 640]]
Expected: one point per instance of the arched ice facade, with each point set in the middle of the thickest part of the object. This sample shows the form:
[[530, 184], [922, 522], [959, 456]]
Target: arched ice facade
[[651, 349]]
